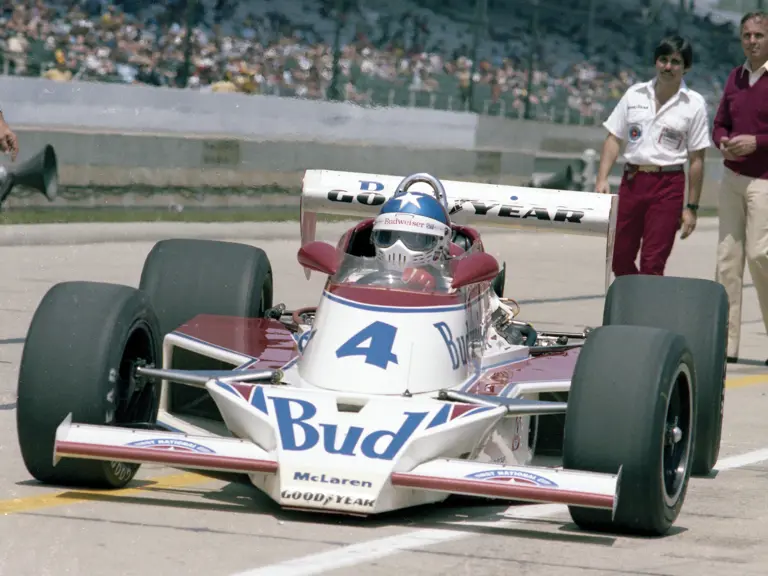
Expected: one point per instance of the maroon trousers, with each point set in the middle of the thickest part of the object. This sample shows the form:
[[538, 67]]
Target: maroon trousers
[[650, 208]]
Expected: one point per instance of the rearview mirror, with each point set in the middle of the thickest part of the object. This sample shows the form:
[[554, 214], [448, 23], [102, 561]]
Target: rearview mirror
[[477, 267], [319, 256]]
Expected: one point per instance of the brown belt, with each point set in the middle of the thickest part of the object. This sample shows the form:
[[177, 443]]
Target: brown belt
[[652, 168]]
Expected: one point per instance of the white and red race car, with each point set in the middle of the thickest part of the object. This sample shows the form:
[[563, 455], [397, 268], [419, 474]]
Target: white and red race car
[[378, 397]]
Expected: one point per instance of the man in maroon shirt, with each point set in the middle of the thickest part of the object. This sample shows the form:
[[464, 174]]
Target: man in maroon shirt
[[741, 134]]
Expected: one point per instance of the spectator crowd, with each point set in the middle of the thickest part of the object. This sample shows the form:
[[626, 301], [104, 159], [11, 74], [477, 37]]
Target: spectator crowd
[[395, 53]]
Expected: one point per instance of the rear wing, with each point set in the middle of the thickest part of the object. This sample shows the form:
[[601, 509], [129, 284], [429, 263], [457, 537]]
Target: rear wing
[[470, 203]]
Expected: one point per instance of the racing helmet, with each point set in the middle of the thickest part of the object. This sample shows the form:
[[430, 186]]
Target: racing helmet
[[412, 229]]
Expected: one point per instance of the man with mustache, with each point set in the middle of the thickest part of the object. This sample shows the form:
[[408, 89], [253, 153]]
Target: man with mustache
[[664, 124], [741, 134]]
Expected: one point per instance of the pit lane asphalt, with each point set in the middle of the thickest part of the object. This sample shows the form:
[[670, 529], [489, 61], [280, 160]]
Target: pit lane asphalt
[[170, 522]]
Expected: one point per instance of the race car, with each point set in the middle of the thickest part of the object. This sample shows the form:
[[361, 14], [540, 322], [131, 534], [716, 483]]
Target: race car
[[377, 396]]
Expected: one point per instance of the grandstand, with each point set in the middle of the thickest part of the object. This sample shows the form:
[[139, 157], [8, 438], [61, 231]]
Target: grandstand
[[392, 52]]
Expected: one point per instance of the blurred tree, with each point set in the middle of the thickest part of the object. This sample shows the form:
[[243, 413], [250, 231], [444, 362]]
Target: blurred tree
[[184, 73], [591, 29], [340, 8], [532, 50], [480, 30]]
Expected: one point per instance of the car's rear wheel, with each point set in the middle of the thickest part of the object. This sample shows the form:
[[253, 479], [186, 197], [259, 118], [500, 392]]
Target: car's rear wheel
[[184, 278], [83, 343], [631, 408], [697, 309]]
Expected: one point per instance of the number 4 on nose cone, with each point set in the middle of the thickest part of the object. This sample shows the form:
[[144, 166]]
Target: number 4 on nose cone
[[379, 351]]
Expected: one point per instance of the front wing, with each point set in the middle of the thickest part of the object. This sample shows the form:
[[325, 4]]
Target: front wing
[[449, 476]]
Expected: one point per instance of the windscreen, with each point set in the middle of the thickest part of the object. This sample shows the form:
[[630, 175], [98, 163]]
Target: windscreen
[[369, 271]]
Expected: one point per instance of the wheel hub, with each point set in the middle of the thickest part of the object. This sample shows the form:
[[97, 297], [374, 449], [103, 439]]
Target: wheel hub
[[674, 434], [137, 397]]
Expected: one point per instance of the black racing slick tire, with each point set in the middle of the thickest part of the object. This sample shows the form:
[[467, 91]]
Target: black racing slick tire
[[84, 340], [187, 277], [184, 278], [698, 310], [630, 412]]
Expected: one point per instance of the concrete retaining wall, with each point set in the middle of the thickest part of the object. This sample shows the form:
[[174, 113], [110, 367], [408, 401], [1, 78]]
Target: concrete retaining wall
[[124, 137]]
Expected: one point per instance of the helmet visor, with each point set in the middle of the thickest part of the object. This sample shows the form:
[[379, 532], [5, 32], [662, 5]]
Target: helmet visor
[[412, 240]]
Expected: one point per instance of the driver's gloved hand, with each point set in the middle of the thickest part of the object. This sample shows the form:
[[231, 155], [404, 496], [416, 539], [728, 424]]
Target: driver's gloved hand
[[419, 277]]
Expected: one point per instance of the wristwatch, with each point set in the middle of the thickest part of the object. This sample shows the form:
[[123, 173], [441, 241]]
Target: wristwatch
[[693, 207]]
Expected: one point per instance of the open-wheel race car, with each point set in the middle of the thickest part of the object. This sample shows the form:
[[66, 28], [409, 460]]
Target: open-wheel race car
[[379, 396]]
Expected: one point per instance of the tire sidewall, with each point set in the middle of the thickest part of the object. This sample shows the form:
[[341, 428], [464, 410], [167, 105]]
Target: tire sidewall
[[119, 473], [664, 511]]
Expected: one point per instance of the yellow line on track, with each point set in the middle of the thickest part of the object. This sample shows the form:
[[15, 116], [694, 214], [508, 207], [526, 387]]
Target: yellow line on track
[[749, 380], [64, 498]]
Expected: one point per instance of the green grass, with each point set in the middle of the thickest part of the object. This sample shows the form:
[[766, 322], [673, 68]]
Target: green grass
[[77, 215]]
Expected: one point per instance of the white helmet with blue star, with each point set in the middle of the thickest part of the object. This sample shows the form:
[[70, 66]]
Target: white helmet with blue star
[[412, 229]]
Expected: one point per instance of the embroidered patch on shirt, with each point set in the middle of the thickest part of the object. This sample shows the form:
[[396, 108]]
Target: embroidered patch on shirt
[[672, 139], [635, 132]]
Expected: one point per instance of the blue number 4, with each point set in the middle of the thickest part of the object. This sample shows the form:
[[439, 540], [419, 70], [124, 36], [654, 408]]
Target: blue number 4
[[379, 351]]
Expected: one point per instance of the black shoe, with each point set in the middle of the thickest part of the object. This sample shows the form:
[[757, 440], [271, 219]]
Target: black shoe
[[735, 359]]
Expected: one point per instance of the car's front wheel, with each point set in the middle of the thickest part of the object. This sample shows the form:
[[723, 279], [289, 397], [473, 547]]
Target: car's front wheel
[[631, 409], [82, 347]]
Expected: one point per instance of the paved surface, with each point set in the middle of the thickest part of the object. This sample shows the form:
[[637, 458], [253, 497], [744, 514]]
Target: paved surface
[[177, 523]]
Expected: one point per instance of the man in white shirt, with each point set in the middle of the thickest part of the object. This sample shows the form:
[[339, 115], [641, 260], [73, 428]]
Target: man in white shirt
[[664, 124]]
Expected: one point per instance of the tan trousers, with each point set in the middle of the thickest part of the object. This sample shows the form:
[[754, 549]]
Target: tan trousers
[[743, 215]]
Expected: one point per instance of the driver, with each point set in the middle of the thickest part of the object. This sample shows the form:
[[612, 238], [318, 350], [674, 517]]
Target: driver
[[412, 233]]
